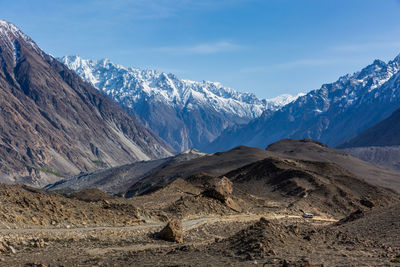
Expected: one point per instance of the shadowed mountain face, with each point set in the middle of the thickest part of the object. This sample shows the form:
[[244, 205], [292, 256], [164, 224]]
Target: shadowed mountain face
[[384, 156], [52, 123], [379, 144], [384, 133]]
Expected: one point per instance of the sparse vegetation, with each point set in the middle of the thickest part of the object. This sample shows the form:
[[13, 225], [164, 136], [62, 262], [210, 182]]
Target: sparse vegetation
[[47, 170], [396, 260]]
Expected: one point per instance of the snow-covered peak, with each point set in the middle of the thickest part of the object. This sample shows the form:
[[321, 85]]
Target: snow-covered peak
[[285, 99], [193, 151], [10, 36], [359, 88], [131, 85]]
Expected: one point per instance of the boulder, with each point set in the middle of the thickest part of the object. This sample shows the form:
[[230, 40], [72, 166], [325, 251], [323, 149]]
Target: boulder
[[220, 189], [172, 231]]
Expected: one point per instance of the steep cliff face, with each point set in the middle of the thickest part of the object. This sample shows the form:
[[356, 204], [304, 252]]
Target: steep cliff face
[[53, 123], [184, 113]]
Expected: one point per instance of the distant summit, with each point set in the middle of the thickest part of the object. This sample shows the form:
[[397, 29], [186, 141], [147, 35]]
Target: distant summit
[[185, 113], [331, 114]]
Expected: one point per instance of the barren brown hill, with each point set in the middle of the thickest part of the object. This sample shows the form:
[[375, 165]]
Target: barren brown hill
[[53, 124], [215, 165], [311, 150], [187, 198], [320, 187]]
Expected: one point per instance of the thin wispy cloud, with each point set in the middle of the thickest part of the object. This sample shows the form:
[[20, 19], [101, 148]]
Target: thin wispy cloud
[[202, 48], [162, 9], [310, 62], [296, 64], [366, 46]]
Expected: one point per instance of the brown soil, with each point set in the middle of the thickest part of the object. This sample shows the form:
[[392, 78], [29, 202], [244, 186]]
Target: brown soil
[[259, 222], [213, 233], [25, 207], [320, 187]]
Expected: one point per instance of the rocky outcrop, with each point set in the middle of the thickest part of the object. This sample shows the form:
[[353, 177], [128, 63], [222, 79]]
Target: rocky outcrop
[[173, 231], [220, 189]]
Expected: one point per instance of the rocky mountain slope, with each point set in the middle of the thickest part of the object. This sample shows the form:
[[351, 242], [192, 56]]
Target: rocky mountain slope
[[331, 114], [52, 123], [184, 113]]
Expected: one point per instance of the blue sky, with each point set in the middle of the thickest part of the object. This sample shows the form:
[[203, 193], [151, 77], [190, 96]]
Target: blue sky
[[268, 47]]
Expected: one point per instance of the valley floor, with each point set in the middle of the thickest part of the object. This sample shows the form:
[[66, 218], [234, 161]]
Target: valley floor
[[207, 242]]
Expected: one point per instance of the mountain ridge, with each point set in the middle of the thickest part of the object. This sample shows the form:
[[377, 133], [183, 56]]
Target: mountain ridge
[[52, 123], [194, 113], [331, 114]]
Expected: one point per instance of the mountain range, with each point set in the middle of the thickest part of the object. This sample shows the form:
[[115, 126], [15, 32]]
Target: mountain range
[[184, 113], [96, 185], [332, 114], [52, 123], [214, 118]]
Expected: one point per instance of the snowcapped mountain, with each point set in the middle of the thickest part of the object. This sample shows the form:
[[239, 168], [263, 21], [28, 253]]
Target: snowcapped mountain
[[331, 114], [185, 113]]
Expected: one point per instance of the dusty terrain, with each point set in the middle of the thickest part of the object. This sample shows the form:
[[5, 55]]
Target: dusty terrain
[[250, 214]]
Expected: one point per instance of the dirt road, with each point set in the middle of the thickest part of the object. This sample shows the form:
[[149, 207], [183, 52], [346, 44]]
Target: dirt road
[[151, 224]]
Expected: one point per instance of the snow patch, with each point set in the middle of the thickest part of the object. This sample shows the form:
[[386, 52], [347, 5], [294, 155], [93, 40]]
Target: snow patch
[[16, 50]]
